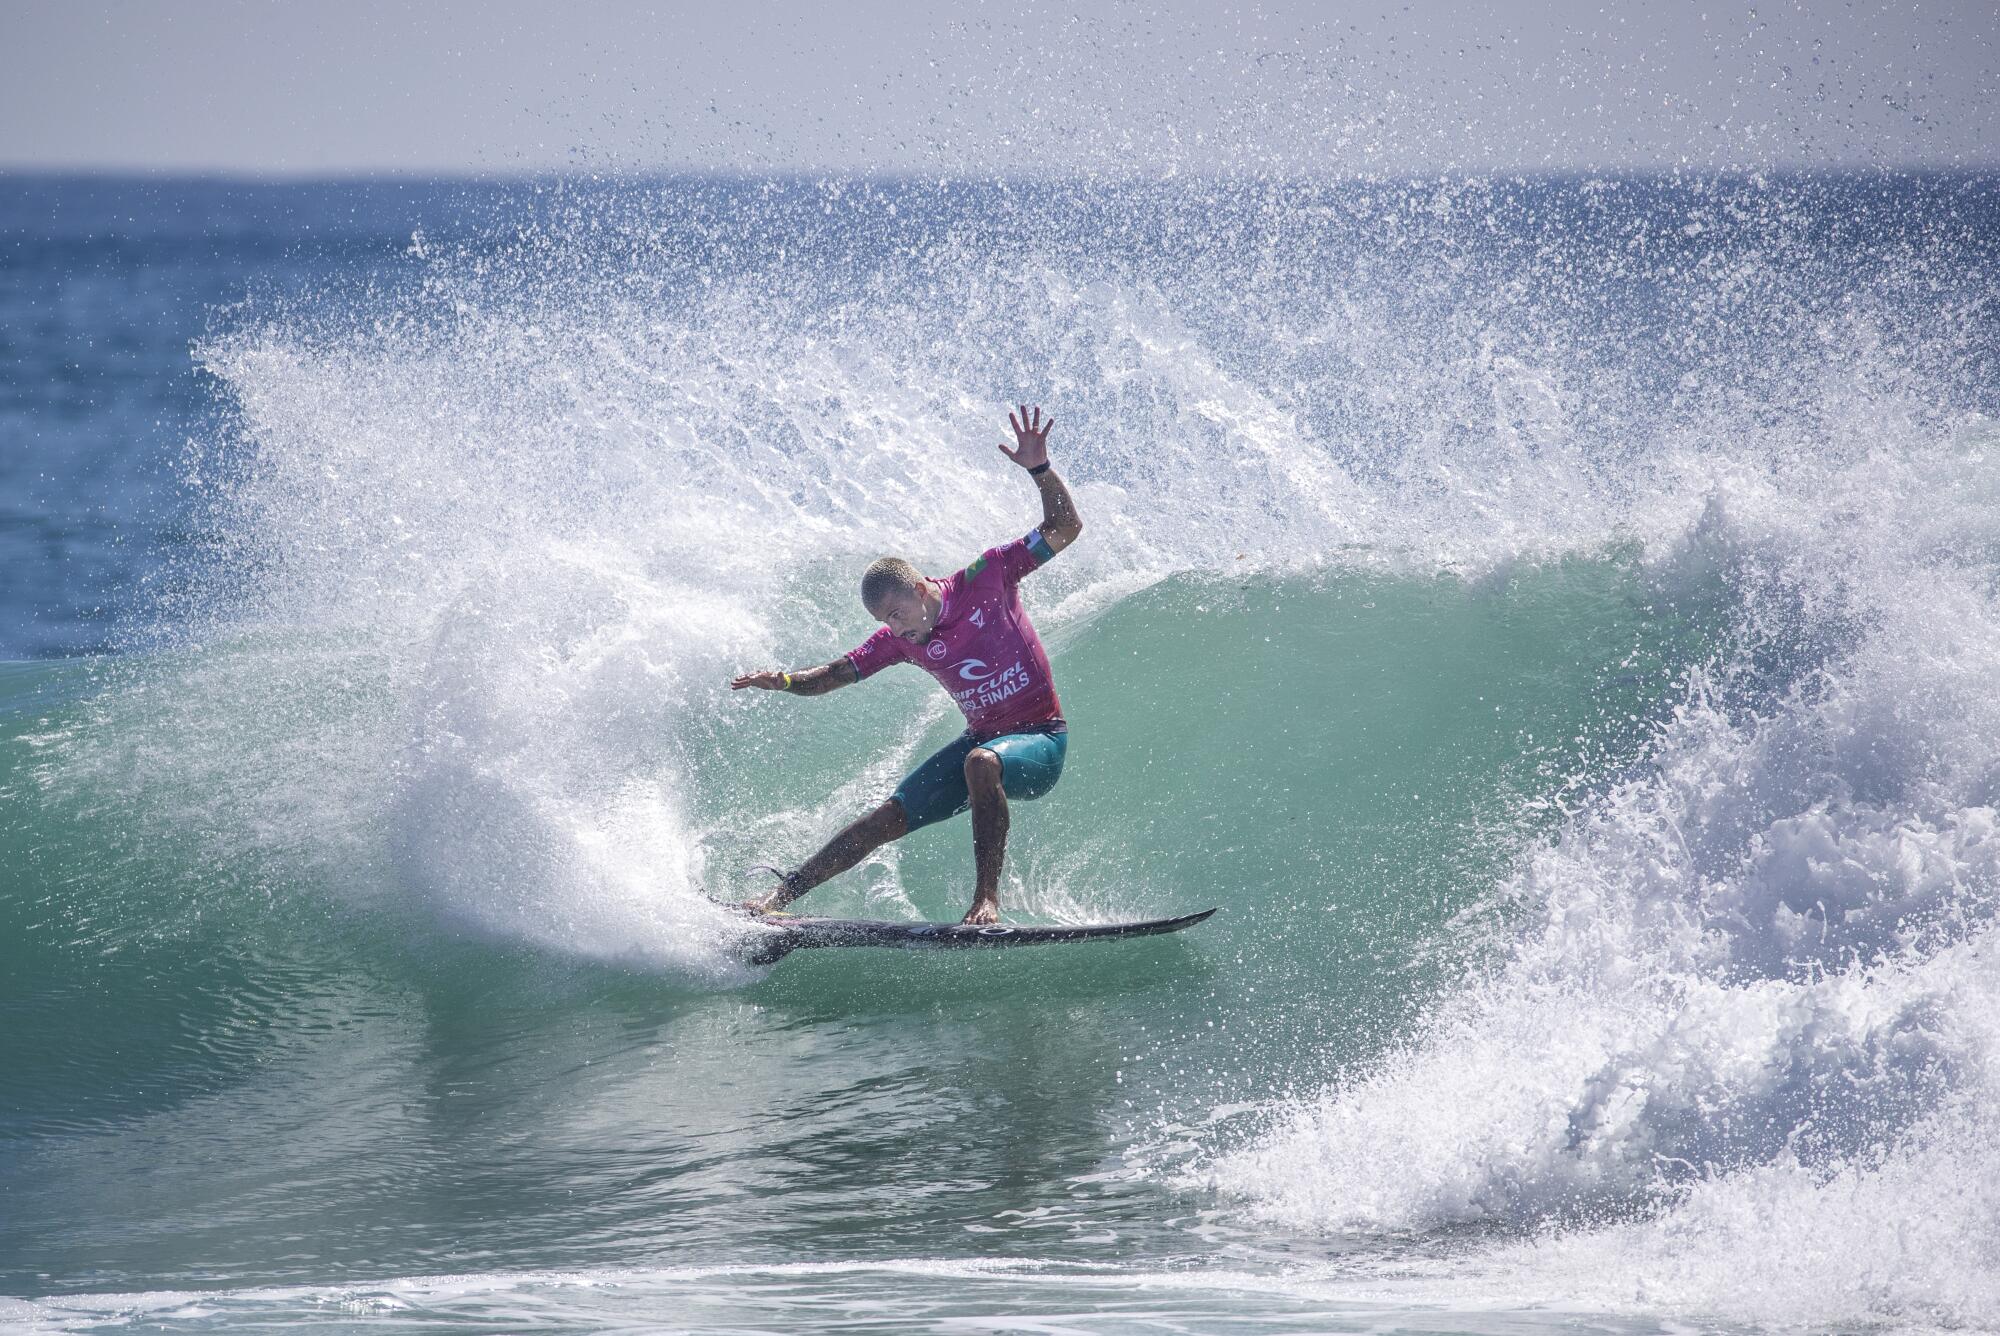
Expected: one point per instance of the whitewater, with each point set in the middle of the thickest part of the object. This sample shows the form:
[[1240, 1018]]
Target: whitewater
[[1555, 619]]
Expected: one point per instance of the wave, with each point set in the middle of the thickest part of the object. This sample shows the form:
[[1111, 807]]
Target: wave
[[486, 540], [1733, 1052]]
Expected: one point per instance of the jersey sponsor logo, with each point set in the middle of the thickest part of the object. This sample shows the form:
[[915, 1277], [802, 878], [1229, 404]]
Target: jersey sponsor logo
[[990, 686], [936, 649], [978, 618]]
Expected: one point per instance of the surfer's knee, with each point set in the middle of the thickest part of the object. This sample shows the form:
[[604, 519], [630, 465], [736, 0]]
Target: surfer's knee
[[890, 821], [983, 771]]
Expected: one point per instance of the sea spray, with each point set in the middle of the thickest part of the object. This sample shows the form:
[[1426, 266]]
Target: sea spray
[[508, 520]]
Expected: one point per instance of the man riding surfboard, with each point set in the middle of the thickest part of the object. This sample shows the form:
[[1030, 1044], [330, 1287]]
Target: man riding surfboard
[[971, 633]]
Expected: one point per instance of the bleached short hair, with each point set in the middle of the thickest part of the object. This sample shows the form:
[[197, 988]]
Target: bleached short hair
[[886, 575]]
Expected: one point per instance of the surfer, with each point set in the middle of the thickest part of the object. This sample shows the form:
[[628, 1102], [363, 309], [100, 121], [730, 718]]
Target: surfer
[[970, 632]]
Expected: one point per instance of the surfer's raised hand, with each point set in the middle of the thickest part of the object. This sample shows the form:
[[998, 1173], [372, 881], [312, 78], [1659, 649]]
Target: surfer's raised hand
[[1060, 522], [1031, 437], [767, 680]]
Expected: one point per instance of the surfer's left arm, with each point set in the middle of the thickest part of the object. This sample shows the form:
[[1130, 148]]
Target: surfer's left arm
[[1060, 523]]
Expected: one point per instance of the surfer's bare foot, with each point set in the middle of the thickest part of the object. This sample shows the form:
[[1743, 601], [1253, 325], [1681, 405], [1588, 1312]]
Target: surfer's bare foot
[[982, 912], [775, 899]]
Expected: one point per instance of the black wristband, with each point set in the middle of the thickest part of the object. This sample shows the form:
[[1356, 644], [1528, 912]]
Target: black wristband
[[1038, 470]]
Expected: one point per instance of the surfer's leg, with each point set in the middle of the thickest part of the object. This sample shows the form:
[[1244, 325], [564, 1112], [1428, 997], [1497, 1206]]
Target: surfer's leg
[[983, 779], [1020, 766], [933, 791], [854, 843]]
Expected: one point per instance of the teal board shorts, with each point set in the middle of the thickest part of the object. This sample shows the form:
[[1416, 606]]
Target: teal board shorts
[[1030, 765]]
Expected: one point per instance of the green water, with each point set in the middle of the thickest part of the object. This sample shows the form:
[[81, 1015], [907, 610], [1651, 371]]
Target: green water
[[225, 1075]]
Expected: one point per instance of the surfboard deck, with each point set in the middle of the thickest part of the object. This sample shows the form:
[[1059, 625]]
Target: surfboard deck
[[800, 933]]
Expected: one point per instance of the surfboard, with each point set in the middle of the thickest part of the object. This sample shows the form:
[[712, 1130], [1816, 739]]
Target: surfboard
[[799, 933]]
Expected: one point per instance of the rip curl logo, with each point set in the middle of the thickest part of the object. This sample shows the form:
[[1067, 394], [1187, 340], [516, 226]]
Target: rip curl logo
[[936, 649], [988, 685]]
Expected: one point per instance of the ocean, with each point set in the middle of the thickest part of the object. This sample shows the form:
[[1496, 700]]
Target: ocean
[[1554, 619]]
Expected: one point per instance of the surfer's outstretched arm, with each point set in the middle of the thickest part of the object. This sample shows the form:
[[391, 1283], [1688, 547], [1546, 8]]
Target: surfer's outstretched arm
[[805, 682], [1060, 523]]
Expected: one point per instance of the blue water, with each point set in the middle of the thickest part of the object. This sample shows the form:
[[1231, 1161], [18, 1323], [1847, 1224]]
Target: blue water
[[1553, 619]]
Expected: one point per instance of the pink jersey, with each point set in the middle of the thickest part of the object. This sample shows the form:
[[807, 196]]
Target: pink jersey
[[983, 651]]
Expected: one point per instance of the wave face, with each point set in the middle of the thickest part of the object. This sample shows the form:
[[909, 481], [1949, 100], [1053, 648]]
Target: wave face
[[1732, 1049], [1741, 1018], [1555, 621]]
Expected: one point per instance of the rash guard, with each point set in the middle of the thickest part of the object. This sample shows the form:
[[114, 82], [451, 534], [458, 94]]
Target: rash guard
[[984, 651]]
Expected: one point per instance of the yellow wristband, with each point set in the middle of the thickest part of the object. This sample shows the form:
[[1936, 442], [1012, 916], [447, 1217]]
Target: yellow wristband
[[788, 682]]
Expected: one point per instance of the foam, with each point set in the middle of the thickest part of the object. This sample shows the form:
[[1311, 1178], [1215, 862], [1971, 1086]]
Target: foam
[[1732, 1050]]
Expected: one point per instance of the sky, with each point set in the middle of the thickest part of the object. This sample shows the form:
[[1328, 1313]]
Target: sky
[[257, 87]]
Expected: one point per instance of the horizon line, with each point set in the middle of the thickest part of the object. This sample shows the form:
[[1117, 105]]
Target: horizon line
[[612, 176]]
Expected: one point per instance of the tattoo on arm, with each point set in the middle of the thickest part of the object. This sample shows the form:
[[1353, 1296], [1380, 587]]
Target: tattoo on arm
[[827, 677], [1060, 522]]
